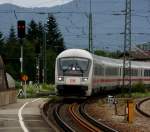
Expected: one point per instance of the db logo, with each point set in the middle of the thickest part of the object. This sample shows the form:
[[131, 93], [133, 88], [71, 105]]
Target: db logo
[[72, 81]]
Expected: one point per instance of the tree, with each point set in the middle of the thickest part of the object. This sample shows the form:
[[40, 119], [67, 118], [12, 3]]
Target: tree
[[40, 32], [32, 48], [33, 43], [35, 35], [32, 32], [55, 45], [1, 38], [115, 54], [39, 48], [11, 57], [12, 35], [54, 37], [101, 53], [29, 60], [1, 44], [39, 42]]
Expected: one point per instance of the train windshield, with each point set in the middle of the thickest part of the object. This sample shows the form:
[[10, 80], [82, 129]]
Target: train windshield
[[76, 66]]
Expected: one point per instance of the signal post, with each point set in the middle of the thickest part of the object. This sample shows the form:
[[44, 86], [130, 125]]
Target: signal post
[[21, 34]]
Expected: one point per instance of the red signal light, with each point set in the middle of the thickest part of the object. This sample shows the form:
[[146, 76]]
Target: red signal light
[[21, 28]]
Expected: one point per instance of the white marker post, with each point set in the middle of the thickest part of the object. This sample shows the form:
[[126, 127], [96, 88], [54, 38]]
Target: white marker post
[[25, 89], [25, 78]]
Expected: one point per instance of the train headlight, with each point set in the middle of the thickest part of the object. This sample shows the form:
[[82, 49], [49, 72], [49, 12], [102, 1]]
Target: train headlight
[[60, 78], [84, 79]]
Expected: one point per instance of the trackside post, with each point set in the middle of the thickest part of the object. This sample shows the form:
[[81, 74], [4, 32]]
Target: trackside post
[[130, 114]]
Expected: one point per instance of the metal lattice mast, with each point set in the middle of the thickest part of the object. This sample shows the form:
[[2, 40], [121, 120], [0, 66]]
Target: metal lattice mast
[[90, 30], [127, 46]]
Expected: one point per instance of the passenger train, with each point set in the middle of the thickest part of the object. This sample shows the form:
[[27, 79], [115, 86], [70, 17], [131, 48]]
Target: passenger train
[[80, 73]]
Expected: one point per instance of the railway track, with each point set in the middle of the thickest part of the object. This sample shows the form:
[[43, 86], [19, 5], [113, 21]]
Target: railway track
[[80, 118], [138, 107], [97, 124], [60, 121], [86, 125]]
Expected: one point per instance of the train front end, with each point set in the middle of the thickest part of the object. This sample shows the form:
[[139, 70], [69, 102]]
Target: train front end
[[72, 73]]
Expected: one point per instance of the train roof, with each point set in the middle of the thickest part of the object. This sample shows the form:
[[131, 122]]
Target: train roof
[[119, 62], [100, 59], [75, 53]]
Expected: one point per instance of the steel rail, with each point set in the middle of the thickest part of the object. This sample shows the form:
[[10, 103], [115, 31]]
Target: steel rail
[[138, 107], [99, 125], [43, 111], [59, 120], [86, 125]]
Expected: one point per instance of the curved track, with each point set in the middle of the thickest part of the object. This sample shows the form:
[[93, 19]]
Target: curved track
[[83, 123], [138, 107], [99, 125], [75, 118], [81, 118], [60, 121]]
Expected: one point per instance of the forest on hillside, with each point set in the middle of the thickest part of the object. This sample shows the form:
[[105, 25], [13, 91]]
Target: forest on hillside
[[33, 49]]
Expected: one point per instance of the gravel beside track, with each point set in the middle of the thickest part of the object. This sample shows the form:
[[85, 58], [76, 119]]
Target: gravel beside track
[[143, 106], [101, 111]]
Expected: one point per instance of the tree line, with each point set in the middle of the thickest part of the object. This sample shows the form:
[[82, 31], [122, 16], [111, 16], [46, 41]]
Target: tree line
[[37, 34]]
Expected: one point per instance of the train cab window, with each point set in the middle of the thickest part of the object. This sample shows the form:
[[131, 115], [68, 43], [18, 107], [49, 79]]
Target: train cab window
[[77, 63], [146, 73], [74, 66]]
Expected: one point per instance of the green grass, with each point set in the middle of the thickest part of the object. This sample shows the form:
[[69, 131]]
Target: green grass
[[138, 90], [140, 95], [34, 90], [134, 95]]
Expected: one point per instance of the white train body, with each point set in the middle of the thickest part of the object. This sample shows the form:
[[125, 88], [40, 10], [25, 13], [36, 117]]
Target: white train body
[[78, 72]]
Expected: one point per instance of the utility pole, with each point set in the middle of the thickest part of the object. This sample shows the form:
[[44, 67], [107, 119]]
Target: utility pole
[[38, 69], [90, 30], [44, 56], [127, 46]]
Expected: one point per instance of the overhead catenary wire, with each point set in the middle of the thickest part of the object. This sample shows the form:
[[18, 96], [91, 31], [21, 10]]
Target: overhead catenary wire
[[82, 30]]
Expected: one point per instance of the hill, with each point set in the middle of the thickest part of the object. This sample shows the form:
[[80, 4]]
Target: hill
[[108, 21]]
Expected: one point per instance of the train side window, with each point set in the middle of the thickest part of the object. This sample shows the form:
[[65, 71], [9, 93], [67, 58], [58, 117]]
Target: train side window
[[112, 71], [146, 73], [134, 72], [95, 70], [120, 71], [141, 72], [98, 70]]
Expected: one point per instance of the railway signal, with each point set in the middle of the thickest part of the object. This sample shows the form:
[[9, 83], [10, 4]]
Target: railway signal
[[21, 28]]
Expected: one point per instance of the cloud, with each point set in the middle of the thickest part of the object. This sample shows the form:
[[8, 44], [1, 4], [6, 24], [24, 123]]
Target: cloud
[[36, 3]]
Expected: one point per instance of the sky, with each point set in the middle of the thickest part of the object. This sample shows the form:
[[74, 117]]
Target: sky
[[35, 3]]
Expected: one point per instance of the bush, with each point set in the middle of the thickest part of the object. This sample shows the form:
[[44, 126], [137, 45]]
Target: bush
[[18, 85], [138, 87], [47, 87]]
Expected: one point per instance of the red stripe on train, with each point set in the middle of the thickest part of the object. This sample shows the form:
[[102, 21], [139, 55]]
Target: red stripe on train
[[118, 80]]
